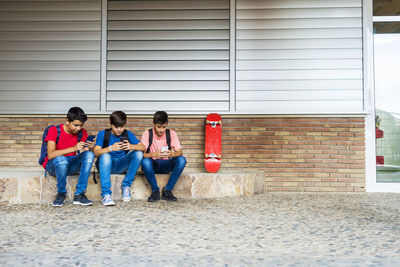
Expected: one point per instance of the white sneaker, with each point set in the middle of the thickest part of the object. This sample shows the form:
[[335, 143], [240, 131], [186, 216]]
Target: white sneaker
[[107, 200], [126, 193]]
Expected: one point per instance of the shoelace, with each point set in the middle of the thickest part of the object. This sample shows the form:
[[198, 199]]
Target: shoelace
[[126, 192], [107, 198]]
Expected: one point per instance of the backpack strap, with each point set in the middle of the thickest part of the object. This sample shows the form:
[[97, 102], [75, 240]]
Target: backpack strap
[[150, 140], [58, 127], [167, 135], [107, 136]]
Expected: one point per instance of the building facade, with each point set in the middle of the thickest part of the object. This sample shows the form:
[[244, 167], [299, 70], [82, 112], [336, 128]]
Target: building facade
[[292, 79]]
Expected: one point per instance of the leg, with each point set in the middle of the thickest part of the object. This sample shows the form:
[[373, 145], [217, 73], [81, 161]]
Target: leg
[[131, 163], [179, 165], [82, 163], [175, 165], [147, 166], [104, 166], [58, 167]]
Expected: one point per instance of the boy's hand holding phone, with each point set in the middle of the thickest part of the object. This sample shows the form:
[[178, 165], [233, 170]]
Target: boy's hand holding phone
[[164, 152], [90, 142], [125, 145]]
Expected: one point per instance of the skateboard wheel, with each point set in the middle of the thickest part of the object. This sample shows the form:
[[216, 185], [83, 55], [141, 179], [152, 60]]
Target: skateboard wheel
[[219, 157], [206, 156], [207, 122], [220, 122]]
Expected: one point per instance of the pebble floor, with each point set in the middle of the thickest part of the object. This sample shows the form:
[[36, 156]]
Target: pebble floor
[[273, 229]]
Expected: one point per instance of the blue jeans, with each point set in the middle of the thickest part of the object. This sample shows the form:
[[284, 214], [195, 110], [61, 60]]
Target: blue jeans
[[107, 164], [163, 166], [62, 166]]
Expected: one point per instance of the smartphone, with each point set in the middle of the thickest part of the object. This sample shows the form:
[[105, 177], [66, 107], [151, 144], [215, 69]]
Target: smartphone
[[90, 138], [164, 148], [123, 139]]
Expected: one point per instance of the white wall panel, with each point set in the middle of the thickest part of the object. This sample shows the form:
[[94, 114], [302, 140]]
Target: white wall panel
[[171, 55], [49, 56], [299, 56]]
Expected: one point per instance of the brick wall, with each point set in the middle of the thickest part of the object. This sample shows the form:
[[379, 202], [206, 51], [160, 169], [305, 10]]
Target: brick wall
[[296, 153]]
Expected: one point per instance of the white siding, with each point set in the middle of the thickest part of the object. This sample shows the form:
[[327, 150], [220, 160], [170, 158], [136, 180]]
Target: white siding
[[171, 55], [299, 56], [49, 55]]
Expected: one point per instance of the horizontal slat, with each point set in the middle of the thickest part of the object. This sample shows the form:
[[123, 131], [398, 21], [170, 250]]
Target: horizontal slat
[[50, 6], [168, 35], [48, 75], [168, 45], [168, 55], [299, 64], [299, 54], [299, 13], [42, 65], [275, 4], [50, 55], [168, 65], [49, 45], [170, 106], [50, 85], [299, 33], [47, 107], [300, 106], [169, 25], [299, 95], [50, 26], [51, 16], [49, 95], [50, 36], [167, 75], [300, 85], [165, 5], [299, 74], [336, 23], [168, 96], [167, 85], [299, 43], [168, 15]]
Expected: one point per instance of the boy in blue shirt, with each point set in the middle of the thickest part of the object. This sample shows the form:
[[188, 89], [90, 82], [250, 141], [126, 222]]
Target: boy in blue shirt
[[118, 151]]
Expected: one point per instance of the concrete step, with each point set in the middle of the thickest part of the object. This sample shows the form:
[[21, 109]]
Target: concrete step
[[27, 187]]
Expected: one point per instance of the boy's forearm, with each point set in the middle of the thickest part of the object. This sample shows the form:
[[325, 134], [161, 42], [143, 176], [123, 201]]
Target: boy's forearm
[[61, 152]]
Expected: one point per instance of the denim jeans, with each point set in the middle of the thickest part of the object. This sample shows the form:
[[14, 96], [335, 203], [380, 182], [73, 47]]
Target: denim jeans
[[108, 164], [62, 166], [163, 166]]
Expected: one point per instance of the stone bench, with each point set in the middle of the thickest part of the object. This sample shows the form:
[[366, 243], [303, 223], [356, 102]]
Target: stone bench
[[32, 187]]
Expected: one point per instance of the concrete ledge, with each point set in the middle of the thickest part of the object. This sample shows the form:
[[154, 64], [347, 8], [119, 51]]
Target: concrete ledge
[[27, 187]]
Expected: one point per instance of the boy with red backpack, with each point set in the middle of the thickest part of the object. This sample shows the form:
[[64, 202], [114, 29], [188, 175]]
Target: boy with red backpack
[[65, 151]]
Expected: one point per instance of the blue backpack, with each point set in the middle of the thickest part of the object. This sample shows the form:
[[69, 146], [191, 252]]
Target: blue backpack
[[43, 150]]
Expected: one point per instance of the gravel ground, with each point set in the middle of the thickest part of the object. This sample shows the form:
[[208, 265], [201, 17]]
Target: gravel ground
[[274, 229]]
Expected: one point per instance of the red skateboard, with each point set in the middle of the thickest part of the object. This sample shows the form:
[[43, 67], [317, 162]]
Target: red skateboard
[[212, 153]]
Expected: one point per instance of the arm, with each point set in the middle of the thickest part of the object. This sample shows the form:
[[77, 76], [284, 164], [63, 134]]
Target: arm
[[98, 150], [53, 153]]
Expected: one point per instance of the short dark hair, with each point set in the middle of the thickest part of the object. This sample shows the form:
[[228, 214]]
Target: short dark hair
[[76, 113], [160, 117], [118, 118]]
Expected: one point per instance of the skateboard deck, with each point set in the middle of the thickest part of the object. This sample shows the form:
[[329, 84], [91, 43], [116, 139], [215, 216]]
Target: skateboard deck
[[212, 151]]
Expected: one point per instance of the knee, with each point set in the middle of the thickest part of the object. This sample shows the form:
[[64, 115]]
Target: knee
[[181, 161], [60, 162], [105, 158], [88, 156], [147, 163], [139, 155]]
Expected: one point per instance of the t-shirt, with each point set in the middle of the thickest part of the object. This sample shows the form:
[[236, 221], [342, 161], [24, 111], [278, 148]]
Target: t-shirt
[[161, 141], [65, 140], [115, 139]]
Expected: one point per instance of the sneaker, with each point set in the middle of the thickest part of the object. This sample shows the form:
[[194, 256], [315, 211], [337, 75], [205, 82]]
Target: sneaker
[[126, 193], [155, 196], [108, 201], [59, 201], [167, 195], [81, 199]]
